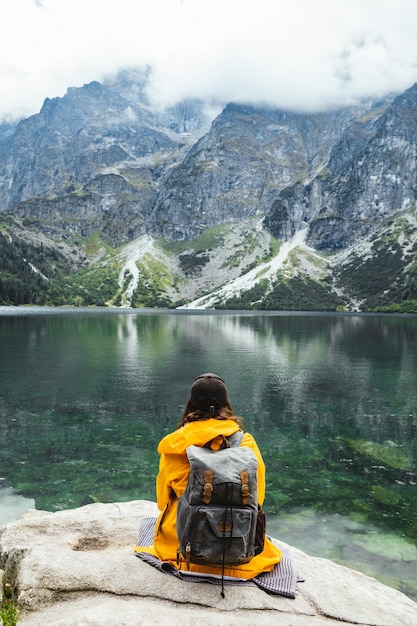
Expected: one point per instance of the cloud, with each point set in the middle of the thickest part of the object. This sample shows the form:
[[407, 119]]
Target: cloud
[[303, 54]]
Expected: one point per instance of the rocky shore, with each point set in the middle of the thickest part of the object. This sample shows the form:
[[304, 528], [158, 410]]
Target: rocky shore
[[78, 568]]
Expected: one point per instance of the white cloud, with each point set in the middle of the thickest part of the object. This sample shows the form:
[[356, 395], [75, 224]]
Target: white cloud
[[292, 53]]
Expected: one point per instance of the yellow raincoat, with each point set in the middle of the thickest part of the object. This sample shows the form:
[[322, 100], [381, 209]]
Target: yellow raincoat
[[172, 481]]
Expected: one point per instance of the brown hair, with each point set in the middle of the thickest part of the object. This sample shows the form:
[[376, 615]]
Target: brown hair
[[208, 399]]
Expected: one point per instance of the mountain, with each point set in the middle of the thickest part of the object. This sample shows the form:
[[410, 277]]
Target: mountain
[[106, 199]]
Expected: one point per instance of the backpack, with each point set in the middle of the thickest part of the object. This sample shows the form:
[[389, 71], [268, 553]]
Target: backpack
[[218, 512]]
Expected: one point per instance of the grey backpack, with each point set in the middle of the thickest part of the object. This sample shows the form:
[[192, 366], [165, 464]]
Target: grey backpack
[[217, 514]]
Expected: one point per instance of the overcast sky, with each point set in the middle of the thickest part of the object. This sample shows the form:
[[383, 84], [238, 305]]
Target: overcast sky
[[305, 54]]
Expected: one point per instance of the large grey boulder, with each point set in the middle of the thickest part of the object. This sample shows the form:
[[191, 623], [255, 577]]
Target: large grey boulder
[[78, 568]]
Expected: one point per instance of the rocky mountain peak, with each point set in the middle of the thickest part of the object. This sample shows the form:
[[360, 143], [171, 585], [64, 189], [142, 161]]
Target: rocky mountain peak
[[103, 161]]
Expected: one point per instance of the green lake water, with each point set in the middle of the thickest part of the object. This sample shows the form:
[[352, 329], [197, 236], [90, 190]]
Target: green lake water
[[85, 396]]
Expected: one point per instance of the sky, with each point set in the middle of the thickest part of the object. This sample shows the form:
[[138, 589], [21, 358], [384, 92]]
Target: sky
[[295, 54]]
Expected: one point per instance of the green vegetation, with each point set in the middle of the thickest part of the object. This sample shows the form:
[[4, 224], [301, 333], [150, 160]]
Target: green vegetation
[[93, 243], [35, 274], [93, 286], [248, 299], [370, 277], [287, 294], [153, 283], [246, 247], [301, 294], [274, 249], [29, 274], [192, 263], [9, 613], [209, 240], [385, 281], [408, 306]]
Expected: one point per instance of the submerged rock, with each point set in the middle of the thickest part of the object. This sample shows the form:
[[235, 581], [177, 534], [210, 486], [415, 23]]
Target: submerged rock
[[78, 568]]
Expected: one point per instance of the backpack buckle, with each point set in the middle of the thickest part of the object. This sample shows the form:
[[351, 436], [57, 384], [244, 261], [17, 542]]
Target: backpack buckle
[[244, 489], [208, 487], [225, 527]]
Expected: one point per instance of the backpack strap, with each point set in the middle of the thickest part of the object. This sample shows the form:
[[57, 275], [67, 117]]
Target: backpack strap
[[232, 441], [236, 439], [224, 444]]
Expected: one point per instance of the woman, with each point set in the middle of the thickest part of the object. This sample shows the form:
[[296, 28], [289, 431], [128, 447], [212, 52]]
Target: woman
[[208, 417]]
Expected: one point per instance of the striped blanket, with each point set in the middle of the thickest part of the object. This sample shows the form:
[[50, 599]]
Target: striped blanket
[[282, 580]]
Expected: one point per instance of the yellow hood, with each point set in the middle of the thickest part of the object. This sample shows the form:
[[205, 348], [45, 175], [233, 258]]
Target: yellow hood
[[197, 434]]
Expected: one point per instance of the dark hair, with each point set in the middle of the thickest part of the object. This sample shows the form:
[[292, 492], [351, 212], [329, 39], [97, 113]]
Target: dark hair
[[208, 399]]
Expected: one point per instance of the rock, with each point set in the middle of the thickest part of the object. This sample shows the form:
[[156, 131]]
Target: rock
[[77, 568]]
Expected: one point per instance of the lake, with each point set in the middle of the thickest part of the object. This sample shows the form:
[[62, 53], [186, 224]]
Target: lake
[[85, 396]]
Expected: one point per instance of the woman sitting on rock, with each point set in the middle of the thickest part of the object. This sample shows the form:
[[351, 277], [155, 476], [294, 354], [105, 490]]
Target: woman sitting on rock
[[207, 420]]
